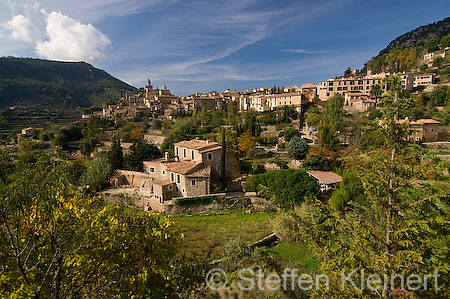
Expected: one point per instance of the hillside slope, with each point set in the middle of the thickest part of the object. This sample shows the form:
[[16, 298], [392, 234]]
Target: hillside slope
[[420, 35], [45, 83]]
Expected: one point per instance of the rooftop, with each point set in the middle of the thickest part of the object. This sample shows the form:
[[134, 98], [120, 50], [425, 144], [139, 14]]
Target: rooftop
[[181, 167], [163, 183], [197, 144], [425, 121], [203, 172], [421, 121], [325, 177]]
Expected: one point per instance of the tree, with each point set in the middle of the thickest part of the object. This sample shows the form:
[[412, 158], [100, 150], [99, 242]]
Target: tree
[[87, 146], [156, 124], [376, 91], [348, 72], [432, 45], [252, 124], [316, 162], [139, 152], [176, 135], [297, 148], [339, 199], [331, 121], [285, 188], [246, 142], [313, 117], [290, 132], [222, 160], [399, 228], [115, 154], [61, 140], [445, 41], [98, 174], [57, 242]]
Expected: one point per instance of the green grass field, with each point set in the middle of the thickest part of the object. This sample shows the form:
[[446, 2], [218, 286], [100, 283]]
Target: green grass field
[[297, 254], [207, 233]]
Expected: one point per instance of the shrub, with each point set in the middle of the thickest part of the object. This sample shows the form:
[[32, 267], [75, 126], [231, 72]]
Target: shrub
[[316, 162], [98, 174], [284, 187], [237, 249], [297, 148], [339, 199]]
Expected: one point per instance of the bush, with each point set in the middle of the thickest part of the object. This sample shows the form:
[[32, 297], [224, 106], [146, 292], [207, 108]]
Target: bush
[[297, 148], [339, 199], [237, 249], [285, 187], [316, 162], [98, 174]]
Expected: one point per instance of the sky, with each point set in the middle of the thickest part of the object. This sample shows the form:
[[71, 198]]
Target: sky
[[203, 45]]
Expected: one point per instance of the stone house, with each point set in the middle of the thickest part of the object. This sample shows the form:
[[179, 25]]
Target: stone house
[[423, 130], [358, 101], [188, 174]]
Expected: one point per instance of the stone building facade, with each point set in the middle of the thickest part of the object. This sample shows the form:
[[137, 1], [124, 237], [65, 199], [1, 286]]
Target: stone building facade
[[188, 174]]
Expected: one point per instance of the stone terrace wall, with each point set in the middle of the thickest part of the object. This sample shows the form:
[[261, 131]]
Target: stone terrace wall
[[133, 179]]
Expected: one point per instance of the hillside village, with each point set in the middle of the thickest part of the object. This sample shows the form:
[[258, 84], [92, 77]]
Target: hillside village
[[191, 170], [349, 172]]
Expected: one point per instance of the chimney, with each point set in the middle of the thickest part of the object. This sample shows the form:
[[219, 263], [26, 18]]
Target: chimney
[[166, 156]]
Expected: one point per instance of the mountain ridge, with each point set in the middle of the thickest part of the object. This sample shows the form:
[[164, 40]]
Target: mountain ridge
[[420, 35], [40, 82]]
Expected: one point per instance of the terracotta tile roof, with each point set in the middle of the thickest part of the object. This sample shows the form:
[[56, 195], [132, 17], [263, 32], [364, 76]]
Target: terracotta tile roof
[[163, 183], [325, 177], [181, 167], [204, 172], [197, 144], [215, 148], [420, 121], [155, 161], [425, 121], [308, 85]]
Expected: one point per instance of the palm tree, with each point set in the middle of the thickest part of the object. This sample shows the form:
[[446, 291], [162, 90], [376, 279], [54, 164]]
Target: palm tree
[[376, 92]]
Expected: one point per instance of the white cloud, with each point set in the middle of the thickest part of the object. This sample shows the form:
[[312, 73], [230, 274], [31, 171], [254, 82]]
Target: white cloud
[[303, 51], [20, 28], [70, 40]]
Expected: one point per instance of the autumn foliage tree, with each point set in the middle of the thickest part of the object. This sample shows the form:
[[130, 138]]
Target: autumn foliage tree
[[56, 242], [246, 142]]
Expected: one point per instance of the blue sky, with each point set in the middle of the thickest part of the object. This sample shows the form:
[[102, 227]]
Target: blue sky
[[203, 45]]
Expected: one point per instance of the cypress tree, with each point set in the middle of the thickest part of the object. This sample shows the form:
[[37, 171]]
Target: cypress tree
[[222, 160], [116, 154]]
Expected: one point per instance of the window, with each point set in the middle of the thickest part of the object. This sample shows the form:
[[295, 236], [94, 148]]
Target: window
[[178, 178], [184, 152], [209, 156], [176, 150], [152, 169], [192, 155], [163, 172], [193, 182], [170, 187], [172, 177]]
